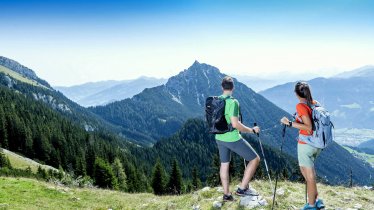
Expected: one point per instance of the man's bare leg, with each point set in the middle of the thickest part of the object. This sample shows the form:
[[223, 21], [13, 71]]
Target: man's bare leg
[[224, 174], [249, 172]]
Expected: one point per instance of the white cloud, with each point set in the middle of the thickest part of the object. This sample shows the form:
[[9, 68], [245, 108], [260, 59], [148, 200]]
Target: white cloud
[[352, 106], [338, 113]]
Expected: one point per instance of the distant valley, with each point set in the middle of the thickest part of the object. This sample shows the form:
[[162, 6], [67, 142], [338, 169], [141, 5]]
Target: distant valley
[[104, 92], [353, 136], [348, 96]]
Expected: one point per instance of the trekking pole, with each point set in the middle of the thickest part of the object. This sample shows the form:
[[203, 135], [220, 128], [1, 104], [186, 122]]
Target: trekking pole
[[306, 192], [263, 155], [277, 175], [245, 168]]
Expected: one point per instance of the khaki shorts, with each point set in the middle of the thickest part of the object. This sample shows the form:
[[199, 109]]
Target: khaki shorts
[[307, 154]]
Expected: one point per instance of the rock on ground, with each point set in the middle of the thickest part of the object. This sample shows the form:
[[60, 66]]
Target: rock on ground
[[280, 191], [252, 201], [205, 189], [217, 204], [357, 206], [195, 207]]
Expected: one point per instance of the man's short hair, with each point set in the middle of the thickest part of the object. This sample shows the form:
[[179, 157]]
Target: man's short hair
[[227, 83]]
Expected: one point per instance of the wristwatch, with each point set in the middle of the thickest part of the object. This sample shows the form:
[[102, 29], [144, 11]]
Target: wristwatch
[[290, 124]]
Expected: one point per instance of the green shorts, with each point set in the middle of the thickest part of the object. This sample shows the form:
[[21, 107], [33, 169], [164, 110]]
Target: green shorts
[[307, 154]]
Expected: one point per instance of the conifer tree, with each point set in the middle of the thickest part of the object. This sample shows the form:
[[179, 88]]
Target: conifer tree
[[119, 172], [42, 173], [285, 174], [213, 178], [3, 130], [175, 181], [132, 179], [90, 160], [28, 171], [104, 176], [196, 182], [4, 161], [158, 178]]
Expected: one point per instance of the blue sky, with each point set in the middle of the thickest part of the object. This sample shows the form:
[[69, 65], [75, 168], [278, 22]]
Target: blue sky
[[71, 42]]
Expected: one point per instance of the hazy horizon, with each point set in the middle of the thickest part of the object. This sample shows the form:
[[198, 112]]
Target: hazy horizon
[[74, 42], [291, 76]]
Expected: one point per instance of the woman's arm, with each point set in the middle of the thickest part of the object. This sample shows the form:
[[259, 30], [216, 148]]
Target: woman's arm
[[306, 125]]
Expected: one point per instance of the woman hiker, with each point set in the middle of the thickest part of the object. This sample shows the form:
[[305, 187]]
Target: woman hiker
[[306, 153]]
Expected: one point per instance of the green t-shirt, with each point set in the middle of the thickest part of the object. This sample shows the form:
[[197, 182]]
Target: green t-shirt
[[231, 110]]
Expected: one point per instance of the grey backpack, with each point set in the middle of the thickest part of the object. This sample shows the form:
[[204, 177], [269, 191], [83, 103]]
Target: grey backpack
[[322, 128]]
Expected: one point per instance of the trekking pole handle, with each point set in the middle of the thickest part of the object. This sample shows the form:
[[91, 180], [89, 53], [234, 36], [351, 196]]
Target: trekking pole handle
[[255, 124]]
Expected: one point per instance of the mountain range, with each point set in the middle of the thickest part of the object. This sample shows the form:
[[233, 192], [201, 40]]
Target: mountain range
[[104, 92], [348, 96], [24, 80], [158, 112], [59, 131], [266, 81], [365, 71], [367, 144], [36, 128]]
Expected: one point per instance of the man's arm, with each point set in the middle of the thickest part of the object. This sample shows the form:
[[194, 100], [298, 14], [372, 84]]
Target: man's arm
[[241, 127]]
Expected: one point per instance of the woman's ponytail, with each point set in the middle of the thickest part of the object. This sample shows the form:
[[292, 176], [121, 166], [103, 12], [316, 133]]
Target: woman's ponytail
[[302, 89]]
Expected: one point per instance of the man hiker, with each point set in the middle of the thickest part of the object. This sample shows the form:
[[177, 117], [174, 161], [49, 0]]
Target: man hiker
[[232, 141]]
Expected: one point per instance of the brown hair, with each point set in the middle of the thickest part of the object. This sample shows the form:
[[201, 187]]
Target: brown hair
[[227, 83], [302, 89]]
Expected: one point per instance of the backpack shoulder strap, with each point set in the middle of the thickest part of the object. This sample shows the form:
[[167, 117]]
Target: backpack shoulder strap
[[229, 97], [317, 104], [222, 97]]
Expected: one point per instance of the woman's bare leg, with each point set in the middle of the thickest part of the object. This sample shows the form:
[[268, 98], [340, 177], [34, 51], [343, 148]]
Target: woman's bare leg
[[310, 177]]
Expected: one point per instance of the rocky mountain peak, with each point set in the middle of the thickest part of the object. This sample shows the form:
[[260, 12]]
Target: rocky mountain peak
[[23, 70], [196, 63], [17, 67], [195, 82], [197, 72]]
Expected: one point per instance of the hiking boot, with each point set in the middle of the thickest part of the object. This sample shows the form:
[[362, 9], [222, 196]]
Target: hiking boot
[[246, 192], [308, 207], [319, 204], [227, 198]]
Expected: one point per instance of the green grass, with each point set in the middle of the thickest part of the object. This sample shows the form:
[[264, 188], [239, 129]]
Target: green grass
[[22, 193], [20, 162], [19, 77], [369, 158]]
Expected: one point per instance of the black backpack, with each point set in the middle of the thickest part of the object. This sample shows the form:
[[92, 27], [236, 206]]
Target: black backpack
[[215, 115]]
